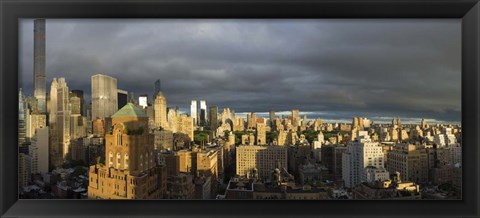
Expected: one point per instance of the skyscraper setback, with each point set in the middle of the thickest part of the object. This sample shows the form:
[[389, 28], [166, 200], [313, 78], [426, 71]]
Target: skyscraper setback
[[39, 83]]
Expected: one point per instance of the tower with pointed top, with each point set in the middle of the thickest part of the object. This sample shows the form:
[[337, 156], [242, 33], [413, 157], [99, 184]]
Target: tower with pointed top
[[160, 108]]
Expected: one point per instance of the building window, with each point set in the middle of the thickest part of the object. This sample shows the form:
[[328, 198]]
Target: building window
[[119, 138], [126, 162], [110, 159], [119, 158]]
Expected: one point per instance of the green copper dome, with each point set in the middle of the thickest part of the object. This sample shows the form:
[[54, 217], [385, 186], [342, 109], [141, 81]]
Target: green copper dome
[[129, 110]]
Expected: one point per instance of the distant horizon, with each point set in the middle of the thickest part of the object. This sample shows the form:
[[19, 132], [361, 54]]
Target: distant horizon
[[334, 69]]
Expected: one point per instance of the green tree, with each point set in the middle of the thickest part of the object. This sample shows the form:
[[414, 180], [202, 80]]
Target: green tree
[[200, 137], [271, 136]]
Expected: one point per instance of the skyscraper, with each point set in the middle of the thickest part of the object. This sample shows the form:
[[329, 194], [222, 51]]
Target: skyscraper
[[261, 134], [39, 151], [122, 97], [251, 121], [104, 96], [213, 117], [193, 111], [143, 101], [40, 84], [63, 117], [295, 118], [361, 154], [55, 153], [271, 120], [22, 131], [158, 88], [75, 105], [52, 116], [79, 94], [160, 108], [203, 112]]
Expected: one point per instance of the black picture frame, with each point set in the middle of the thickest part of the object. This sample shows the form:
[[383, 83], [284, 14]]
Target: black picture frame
[[12, 10]]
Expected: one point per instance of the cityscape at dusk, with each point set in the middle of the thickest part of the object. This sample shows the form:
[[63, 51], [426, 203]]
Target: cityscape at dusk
[[240, 109]]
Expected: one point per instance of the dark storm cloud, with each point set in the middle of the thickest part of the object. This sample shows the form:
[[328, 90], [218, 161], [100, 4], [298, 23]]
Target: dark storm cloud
[[335, 68]]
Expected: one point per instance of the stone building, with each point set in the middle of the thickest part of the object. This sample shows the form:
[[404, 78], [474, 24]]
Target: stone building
[[130, 171]]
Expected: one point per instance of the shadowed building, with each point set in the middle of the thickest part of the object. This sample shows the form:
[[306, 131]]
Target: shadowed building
[[130, 171], [213, 118], [158, 87], [79, 94], [39, 77], [122, 97]]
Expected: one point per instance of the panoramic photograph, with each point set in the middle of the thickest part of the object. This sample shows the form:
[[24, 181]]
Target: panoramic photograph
[[247, 109]]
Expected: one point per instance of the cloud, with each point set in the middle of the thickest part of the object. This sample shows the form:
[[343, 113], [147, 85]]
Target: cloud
[[407, 68]]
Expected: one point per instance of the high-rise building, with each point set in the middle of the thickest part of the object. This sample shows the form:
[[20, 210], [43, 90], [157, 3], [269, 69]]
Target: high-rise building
[[172, 120], [193, 111], [411, 162], [261, 137], [163, 140], [130, 170], [131, 98], [78, 126], [254, 160], [39, 78], [160, 108], [296, 118], [79, 94], [158, 87], [185, 125], [33, 122], [304, 123], [203, 112], [272, 119], [75, 106], [104, 96], [24, 169], [143, 101], [251, 121], [357, 124], [52, 116], [63, 117], [424, 124], [213, 118], [317, 146], [359, 155], [122, 97], [22, 115], [203, 121], [39, 151]]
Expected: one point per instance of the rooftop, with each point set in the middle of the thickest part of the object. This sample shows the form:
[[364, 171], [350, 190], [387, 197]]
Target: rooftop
[[129, 110]]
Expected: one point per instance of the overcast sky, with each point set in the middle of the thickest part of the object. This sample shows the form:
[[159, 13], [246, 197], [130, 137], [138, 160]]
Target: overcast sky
[[335, 69]]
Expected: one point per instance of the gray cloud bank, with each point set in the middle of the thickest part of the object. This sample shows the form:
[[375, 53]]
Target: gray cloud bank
[[341, 68]]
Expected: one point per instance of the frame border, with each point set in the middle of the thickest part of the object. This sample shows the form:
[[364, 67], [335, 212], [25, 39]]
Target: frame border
[[12, 10]]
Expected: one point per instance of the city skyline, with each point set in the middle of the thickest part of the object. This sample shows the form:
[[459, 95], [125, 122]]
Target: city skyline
[[270, 69]]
